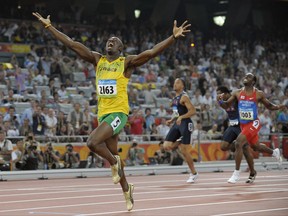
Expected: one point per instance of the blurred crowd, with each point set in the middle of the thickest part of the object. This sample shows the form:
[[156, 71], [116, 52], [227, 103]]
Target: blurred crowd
[[52, 92]]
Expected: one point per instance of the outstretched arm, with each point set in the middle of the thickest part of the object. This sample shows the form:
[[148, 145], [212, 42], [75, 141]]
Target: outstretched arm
[[268, 104], [228, 103], [142, 58], [77, 47]]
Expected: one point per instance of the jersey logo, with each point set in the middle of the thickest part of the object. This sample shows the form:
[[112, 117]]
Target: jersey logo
[[242, 97]]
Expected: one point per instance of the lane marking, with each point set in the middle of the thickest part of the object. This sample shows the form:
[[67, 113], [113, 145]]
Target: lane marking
[[184, 206], [257, 187], [249, 212], [225, 185], [142, 182], [144, 200]]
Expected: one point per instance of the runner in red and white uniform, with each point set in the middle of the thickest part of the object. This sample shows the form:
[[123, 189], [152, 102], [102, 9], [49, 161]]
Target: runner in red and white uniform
[[248, 98]]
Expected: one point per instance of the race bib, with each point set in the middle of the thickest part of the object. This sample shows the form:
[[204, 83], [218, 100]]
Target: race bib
[[233, 122], [107, 88], [246, 115]]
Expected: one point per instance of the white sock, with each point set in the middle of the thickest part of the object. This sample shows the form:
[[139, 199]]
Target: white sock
[[237, 172]]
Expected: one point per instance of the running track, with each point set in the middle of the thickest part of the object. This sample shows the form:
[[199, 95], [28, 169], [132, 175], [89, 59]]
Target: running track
[[154, 195]]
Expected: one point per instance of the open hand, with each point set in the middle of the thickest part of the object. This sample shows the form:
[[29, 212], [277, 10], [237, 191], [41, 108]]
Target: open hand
[[182, 30], [44, 21]]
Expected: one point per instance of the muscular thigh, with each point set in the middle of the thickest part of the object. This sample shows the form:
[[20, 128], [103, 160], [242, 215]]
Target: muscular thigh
[[231, 133], [250, 131], [173, 134]]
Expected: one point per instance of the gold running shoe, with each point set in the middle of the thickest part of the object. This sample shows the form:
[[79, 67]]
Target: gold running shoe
[[116, 170], [129, 197]]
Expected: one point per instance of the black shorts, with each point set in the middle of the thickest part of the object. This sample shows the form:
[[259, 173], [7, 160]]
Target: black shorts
[[183, 130], [231, 133]]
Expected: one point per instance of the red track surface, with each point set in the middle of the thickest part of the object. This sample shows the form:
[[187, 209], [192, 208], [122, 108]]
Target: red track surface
[[154, 195]]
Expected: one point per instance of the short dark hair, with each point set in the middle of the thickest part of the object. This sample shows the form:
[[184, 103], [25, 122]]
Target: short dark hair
[[183, 82], [223, 89]]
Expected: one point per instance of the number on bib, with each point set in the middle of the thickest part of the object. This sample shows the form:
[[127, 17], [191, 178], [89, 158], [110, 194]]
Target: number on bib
[[107, 88], [246, 115]]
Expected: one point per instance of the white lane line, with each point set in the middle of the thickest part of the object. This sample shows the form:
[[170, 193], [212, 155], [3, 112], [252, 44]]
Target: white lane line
[[255, 188], [141, 200], [225, 185], [255, 211], [51, 213], [184, 206], [142, 182]]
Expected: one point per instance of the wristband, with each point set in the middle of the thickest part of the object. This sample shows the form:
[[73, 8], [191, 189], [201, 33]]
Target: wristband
[[220, 102], [48, 25]]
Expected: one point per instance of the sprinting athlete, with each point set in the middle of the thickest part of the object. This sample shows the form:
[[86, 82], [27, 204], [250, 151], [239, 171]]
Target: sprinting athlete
[[180, 133], [248, 98], [112, 76], [233, 131]]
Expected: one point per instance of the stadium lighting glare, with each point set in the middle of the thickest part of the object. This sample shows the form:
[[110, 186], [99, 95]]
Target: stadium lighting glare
[[137, 13], [219, 20]]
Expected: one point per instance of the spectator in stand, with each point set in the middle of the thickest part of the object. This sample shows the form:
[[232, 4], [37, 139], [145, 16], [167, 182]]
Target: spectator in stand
[[12, 117], [149, 120], [52, 87], [154, 135], [9, 99], [198, 132], [86, 127], [206, 117], [61, 120], [133, 96], [93, 101], [41, 79], [75, 118], [28, 112], [17, 154], [150, 76], [136, 121], [163, 128], [39, 123], [197, 99], [6, 149], [283, 118], [51, 123], [25, 128], [20, 78], [162, 156], [62, 92], [51, 157], [149, 97], [266, 124], [161, 111], [135, 155], [207, 99], [70, 158], [164, 93], [213, 133]]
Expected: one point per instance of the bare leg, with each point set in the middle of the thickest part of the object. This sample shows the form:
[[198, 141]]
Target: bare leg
[[188, 158], [249, 159], [260, 147], [97, 139], [113, 148], [240, 141]]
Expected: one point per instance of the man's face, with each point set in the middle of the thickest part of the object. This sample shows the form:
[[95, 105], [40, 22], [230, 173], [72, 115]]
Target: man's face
[[178, 85], [225, 95], [248, 79], [114, 45]]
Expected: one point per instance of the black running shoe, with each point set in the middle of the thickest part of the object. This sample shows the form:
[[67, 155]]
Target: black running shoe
[[251, 178]]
